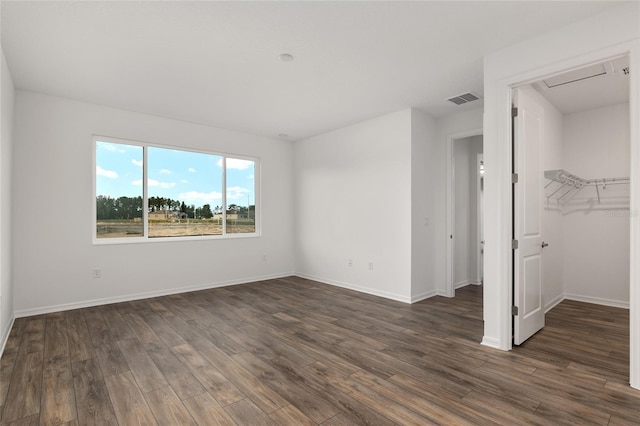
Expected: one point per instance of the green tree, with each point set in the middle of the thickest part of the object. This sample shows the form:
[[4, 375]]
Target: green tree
[[206, 211], [190, 211]]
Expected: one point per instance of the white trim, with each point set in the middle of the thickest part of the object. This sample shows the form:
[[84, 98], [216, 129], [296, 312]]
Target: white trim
[[553, 303], [424, 296], [5, 334], [349, 286], [449, 285], [479, 216], [490, 342], [145, 295], [634, 272], [597, 300], [465, 283]]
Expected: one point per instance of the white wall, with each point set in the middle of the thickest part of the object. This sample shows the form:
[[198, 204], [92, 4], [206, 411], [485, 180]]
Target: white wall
[[596, 236], [463, 123], [461, 219], [52, 208], [424, 231], [353, 201], [618, 32], [6, 147]]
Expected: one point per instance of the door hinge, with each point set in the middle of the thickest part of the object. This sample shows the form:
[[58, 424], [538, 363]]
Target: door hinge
[[514, 244], [514, 311], [514, 112], [514, 178]]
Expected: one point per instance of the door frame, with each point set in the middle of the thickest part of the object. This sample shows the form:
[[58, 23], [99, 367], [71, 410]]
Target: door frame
[[500, 265], [450, 253], [480, 224]]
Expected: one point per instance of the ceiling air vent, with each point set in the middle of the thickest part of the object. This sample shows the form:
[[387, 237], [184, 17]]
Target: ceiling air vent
[[464, 98]]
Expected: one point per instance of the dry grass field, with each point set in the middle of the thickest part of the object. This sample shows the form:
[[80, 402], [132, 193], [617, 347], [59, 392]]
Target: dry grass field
[[121, 229]]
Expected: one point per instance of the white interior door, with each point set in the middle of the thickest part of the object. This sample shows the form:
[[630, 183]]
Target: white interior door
[[527, 220]]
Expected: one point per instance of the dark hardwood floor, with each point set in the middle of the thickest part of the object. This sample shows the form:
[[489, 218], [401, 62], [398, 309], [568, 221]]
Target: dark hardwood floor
[[296, 352]]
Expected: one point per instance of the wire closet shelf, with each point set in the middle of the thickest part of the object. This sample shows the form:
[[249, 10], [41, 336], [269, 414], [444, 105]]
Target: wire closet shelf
[[566, 188]]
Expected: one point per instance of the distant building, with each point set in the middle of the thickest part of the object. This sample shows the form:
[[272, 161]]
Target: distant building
[[167, 215]]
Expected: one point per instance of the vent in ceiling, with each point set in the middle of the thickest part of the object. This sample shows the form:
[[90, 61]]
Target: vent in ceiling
[[464, 98]]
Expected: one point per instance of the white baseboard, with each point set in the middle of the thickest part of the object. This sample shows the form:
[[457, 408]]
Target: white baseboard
[[145, 295], [349, 286], [597, 300], [423, 296], [465, 283], [5, 334], [491, 342], [552, 304]]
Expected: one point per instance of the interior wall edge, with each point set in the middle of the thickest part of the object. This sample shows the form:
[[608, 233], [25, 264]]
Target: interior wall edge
[[553, 303]]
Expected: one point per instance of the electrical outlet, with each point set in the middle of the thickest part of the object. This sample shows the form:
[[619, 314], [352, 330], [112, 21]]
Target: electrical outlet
[[264, 257], [96, 273], [371, 265], [350, 262]]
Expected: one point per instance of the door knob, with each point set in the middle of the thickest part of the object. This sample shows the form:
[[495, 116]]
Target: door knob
[[544, 244]]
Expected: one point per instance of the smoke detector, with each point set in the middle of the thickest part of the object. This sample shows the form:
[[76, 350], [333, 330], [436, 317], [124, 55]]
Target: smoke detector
[[464, 98]]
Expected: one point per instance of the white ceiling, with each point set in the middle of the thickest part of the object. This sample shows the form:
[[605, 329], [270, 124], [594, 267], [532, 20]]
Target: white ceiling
[[605, 84], [216, 63]]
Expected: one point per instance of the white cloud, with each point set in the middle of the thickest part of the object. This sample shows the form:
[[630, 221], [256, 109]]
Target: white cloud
[[199, 198], [106, 173], [153, 183], [184, 181], [191, 170], [111, 147], [237, 193], [165, 172], [137, 163], [236, 163]]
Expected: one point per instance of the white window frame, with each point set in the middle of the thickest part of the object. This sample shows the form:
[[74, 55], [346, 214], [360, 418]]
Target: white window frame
[[145, 202]]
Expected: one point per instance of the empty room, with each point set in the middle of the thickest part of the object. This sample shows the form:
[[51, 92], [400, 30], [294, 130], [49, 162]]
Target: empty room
[[322, 213]]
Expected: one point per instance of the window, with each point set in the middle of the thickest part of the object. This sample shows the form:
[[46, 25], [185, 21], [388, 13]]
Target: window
[[145, 192]]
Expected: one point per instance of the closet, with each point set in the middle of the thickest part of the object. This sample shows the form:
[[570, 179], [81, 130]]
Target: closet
[[586, 165]]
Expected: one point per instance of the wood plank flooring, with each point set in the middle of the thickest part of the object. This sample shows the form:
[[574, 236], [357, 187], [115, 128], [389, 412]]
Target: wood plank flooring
[[295, 352]]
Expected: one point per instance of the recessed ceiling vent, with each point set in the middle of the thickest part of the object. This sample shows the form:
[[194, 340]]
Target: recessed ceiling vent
[[464, 98]]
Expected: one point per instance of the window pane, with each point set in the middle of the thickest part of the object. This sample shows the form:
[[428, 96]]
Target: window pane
[[118, 190], [184, 190], [241, 199]]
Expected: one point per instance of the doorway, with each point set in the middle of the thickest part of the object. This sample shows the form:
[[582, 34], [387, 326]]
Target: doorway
[[583, 203], [464, 213]]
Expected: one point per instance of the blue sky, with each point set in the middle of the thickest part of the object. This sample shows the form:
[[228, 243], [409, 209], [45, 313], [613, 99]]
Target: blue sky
[[192, 177]]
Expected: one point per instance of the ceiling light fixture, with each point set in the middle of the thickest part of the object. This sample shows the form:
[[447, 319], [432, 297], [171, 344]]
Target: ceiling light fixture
[[285, 57], [283, 135]]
